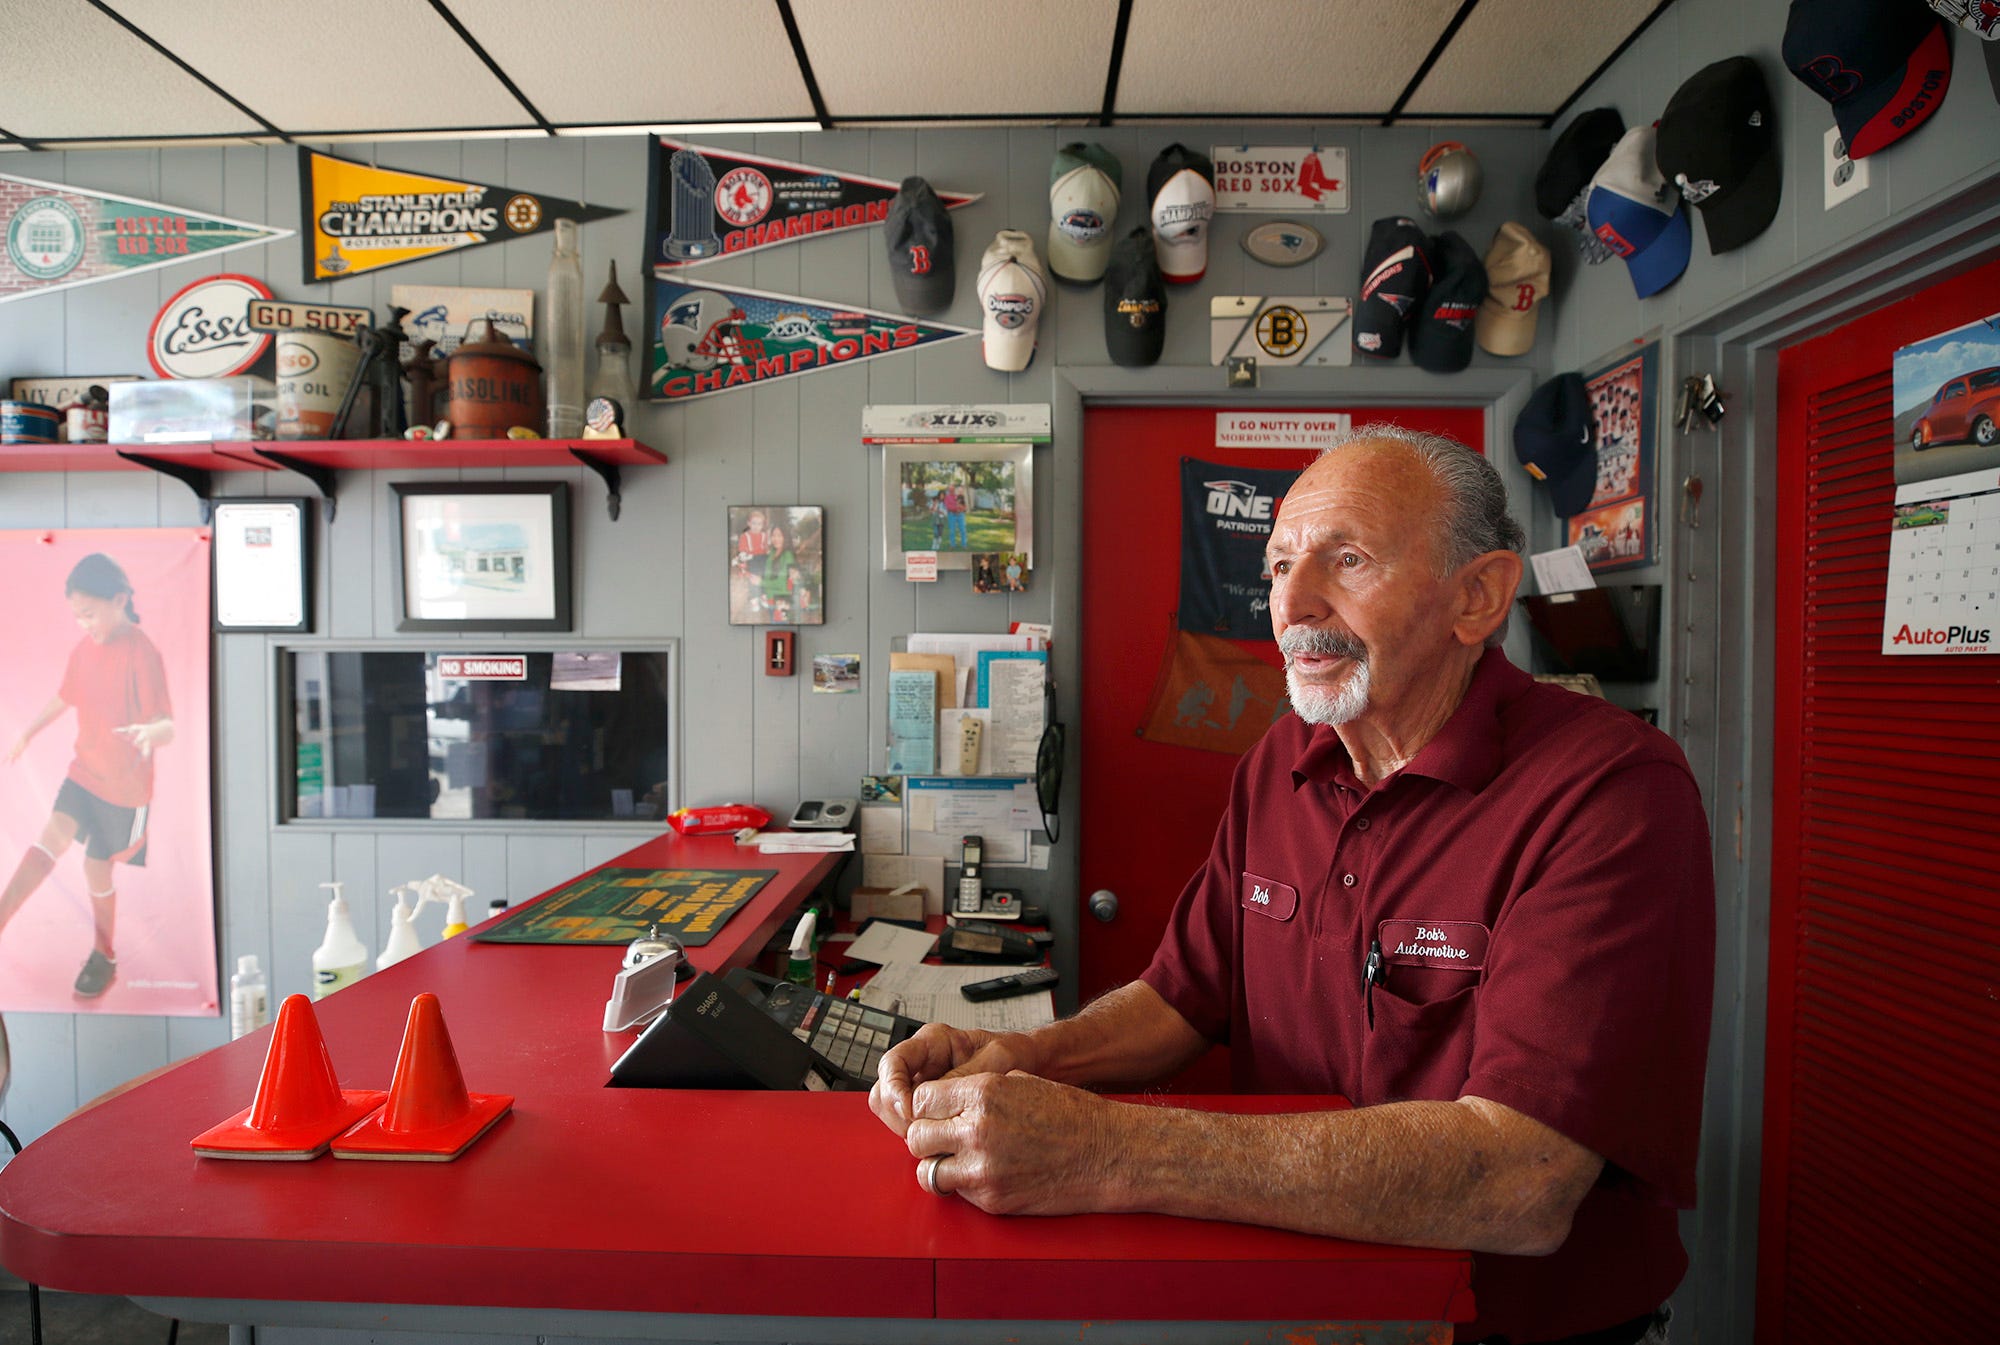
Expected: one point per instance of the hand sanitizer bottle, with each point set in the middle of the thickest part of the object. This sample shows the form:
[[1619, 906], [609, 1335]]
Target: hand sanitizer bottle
[[403, 940], [341, 958]]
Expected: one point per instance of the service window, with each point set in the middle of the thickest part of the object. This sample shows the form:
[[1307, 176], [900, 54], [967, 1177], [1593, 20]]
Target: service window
[[549, 735]]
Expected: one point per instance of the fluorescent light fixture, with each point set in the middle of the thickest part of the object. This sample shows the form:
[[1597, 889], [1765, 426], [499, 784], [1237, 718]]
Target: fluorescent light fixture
[[691, 128]]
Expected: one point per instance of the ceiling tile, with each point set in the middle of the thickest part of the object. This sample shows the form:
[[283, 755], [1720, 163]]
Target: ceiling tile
[[74, 73], [358, 66], [1523, 56], [903, 58], [659, 63], [1275, 57]]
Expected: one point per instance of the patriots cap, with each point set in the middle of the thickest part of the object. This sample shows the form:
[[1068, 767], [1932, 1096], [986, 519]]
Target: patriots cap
[[1441, 337], [1718, 144], [1181, 186], [1572, 161], [1012, 291], [922, 248], [1395, 274], [1083, 206], [1638, 216], [1517, 280], [1135, 302], [1884, 67], [1555, 440]]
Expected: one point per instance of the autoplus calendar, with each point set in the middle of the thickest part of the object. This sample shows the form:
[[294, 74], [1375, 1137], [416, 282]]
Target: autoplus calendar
[[1943, 593]]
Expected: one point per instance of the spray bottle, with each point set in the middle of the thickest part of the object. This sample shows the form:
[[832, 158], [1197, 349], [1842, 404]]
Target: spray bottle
[[448, 894], [799, 961], [341, 958], [403, 940]]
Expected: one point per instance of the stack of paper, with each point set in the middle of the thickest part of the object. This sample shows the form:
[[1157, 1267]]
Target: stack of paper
[[801, 842]]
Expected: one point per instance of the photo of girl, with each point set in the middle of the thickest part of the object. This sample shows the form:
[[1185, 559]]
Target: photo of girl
[[775, 558], [107, 885], [117, 685]]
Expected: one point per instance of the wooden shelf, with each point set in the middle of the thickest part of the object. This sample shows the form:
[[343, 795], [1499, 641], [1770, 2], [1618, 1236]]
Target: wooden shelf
[[321, 460]]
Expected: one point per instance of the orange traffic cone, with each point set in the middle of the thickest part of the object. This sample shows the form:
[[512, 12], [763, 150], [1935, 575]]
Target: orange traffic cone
[[300, 1105], [429, 1116]]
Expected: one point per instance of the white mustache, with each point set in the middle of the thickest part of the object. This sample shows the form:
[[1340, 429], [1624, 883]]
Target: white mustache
[[1312, 640]]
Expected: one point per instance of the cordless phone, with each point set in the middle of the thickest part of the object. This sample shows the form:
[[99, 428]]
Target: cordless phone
[[971, 887]]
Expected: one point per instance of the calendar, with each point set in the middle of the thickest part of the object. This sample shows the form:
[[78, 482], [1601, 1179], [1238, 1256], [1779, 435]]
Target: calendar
[[1943, 594]]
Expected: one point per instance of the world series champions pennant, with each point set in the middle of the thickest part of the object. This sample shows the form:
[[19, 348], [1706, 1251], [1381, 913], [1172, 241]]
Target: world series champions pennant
[[58, 236], [708, 203], [359, 218], [708, 339]]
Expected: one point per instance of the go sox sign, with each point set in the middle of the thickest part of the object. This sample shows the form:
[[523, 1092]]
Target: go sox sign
[[204, 331]]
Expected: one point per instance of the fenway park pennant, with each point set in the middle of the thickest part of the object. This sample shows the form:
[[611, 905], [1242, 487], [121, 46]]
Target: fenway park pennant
[[706, 339], [57, 236], [708, 203], [361, 218]]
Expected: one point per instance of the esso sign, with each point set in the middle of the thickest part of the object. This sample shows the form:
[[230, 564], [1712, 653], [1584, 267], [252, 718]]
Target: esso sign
[[204, 331]]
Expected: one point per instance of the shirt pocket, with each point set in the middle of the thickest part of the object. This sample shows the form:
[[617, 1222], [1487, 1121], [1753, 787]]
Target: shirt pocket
[[1418, 1048]]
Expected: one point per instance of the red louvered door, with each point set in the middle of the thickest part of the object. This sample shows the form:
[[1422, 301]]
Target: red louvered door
[[1880, 1212]]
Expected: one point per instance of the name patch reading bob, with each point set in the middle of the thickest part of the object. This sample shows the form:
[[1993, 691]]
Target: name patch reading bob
[[1269, 897]]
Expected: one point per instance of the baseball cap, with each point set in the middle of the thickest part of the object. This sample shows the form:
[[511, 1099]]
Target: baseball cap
[[1556, 441], [1517, 280], [1441, 337], [1395, 273], [1637, 215], [922, 248], [1884, 67], [1083, 207], [1718, 143], [1135, 301], [1983, 18], [1181, 186], [1573, 160], [1012, 290]]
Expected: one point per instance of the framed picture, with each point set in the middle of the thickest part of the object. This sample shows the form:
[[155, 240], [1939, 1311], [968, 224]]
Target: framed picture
[[262, 573], [777, 567], [1616, 529], [482, 557], [956, 499]]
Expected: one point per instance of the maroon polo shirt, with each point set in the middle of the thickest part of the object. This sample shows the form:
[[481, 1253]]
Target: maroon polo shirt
[[1540, 882]]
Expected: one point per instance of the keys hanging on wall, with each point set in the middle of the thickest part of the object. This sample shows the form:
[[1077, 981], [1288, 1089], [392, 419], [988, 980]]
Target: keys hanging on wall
[[1700, 405]]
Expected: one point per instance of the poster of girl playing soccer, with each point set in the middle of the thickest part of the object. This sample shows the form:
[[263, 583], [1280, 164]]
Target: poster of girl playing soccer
[[107, 895]]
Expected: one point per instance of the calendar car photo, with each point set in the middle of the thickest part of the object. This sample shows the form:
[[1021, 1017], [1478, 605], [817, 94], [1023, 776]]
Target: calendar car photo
[[1946, 397]]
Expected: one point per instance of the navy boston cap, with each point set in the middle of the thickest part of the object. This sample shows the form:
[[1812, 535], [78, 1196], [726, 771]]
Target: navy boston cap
[[1884, 67], [922, 248], [1556, 441]]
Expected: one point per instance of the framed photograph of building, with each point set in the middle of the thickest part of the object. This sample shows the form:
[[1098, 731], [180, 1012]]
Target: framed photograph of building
[[777, 565], [488, 556], [956, 500]]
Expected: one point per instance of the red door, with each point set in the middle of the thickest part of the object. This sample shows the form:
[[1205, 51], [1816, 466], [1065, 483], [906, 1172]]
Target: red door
[[1149, 809], [1879, 1203]]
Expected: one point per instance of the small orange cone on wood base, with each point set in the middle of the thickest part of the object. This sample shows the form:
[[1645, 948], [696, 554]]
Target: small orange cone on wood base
[[429, 1116], [300, 1105]]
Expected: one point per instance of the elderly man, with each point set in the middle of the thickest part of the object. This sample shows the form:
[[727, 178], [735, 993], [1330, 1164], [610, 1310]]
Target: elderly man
[[1478, 907]]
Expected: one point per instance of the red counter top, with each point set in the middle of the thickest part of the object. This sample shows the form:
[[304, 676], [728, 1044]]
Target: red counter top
[[593, 1198]]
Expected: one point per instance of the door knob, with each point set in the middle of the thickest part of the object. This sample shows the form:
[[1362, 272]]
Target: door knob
[[1104, 904]]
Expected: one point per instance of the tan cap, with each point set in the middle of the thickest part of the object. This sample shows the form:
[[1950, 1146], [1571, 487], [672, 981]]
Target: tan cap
[[1517, 280]]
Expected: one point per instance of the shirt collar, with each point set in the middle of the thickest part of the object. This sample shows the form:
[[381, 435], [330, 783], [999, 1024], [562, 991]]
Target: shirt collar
[[1465, 753]]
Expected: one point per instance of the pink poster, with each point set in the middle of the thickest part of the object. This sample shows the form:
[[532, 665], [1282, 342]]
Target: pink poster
[[108, 903]]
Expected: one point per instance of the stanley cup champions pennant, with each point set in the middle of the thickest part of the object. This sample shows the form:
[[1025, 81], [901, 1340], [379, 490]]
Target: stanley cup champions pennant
[[60, 236], [360, 218]]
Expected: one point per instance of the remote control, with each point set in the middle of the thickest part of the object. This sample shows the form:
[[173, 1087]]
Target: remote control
[[969, 733], [1020, 983]]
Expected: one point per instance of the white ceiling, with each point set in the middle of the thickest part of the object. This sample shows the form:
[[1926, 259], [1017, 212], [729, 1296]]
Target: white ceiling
[[89, 73]]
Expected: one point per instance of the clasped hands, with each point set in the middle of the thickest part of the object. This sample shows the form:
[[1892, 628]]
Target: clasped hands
[[986, 1128]]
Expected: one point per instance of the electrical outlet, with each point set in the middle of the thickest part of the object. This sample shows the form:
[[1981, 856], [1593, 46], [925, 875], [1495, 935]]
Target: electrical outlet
[[1845, 177]]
